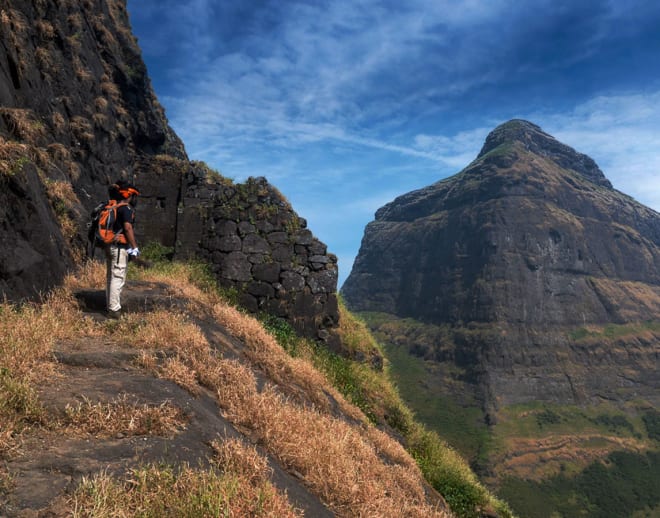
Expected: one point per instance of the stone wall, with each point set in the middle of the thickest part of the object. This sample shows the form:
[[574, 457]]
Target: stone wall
[[159, 182], [259, 247]]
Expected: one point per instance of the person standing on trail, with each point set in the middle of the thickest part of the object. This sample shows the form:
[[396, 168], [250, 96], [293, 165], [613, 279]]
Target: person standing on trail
[[123, 198]]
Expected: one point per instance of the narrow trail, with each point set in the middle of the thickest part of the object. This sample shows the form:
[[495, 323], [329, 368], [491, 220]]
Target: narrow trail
[[51, 462]]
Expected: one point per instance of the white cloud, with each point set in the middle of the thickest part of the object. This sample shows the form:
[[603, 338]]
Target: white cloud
[[622, 134], [457, 150]]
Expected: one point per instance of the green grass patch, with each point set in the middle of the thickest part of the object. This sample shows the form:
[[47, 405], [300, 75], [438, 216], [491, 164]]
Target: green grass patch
[[537, 419], [613, 331], [154, 251], [347, 376]]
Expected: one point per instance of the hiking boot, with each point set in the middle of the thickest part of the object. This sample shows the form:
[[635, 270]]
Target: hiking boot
[[113, 314]]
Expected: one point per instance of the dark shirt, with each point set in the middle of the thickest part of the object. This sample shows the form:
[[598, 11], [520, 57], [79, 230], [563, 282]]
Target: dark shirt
[[125, 213]]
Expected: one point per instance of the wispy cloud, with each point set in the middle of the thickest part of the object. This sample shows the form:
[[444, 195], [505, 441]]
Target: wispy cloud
[[346, 104], [620, 132], [343, 70]]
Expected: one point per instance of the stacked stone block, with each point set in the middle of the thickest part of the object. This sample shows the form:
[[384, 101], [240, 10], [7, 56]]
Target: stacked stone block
[[259, 247]]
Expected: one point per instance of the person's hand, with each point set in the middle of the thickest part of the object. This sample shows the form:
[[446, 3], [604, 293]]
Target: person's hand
[[133, 252]]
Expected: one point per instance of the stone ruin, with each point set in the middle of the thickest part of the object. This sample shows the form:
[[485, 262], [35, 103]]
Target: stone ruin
[[256, 245]]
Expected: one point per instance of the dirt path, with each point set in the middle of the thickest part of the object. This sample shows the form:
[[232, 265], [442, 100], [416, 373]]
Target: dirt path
[[51, 464]]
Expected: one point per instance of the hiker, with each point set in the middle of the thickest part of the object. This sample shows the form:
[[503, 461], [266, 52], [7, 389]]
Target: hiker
[[123, 198]]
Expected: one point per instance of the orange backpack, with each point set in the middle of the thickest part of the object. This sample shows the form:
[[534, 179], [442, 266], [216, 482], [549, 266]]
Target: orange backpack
[[101, 231]]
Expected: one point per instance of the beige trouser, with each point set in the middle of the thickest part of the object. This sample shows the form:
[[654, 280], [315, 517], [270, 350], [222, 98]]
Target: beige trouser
[[117, 265]]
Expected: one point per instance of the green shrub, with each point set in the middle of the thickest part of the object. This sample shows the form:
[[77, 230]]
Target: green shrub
[[547, 417], [447, 472], [652, 423], [614, 422], [154, 251], [282, 332]]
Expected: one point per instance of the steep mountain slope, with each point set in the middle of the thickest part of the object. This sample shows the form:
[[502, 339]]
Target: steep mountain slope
[[185, 407], [522, 259]]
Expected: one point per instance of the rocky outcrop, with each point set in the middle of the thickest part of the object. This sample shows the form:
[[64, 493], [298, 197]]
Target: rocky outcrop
[[517, 256], [259, 247], [77, 112]]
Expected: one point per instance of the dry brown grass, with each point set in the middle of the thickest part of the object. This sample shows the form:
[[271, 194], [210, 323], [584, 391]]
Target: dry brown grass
[[162, 491], [541, 458], [45, 29], [4, 19], [162, 329], [122, 416], [65, 204], [82, 129], [58, 152], [28, 332], [176, 370], [264, 351], [355, 469], [14, 22], [101, 104], [90, 275], [102, 33], [12, 157], [27, 335], [236, 456], [110, 88], [641, 295], [100, 121], [59, 122], [22, 124], [74, 42], [75, 22], [45, 61], [83, 74], [237, 485], [338, 461], [73, 170]]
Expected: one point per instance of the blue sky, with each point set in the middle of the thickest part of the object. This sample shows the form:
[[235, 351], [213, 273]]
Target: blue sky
[[344, 105]]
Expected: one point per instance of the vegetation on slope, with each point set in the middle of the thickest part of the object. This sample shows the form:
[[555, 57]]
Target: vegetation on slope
[[375, 394], [539, 456], [626, 485], [297, 416]]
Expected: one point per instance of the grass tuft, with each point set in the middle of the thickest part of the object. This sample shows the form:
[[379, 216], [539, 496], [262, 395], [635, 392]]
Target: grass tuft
[[122, 416], [165, 491]]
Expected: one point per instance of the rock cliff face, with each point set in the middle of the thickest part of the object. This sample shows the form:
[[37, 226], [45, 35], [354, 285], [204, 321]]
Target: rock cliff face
[[77, 111], [523, 258]]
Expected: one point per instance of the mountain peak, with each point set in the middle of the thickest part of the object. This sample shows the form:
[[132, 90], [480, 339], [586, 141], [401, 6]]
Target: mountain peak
[[515, 130], [536, 141]]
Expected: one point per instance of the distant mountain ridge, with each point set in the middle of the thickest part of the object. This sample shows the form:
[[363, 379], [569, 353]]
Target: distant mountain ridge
[[518, 256]]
